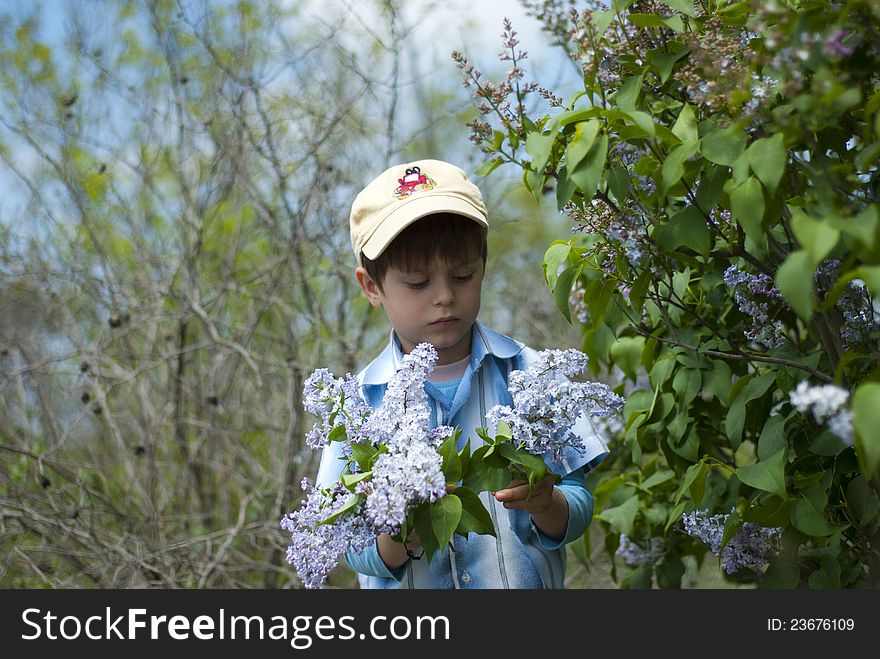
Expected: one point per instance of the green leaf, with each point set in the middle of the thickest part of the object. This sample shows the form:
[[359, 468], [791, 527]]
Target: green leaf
[[694, 481], [772, 437], [770, 512], [562, 290], [425, 530], [664, 62], [639, 290], [626, 353], [628, 94], [767, 158], [724, 145], [482, 476], [673, 167], [581, 142], [794, 279], [817, 237], [866, 420], [767, 475], [622, 517], [736, 415], [862, 500], [588, 173], [685, 126], [747, 205], [464, 455], [643, 120], [657, 478], [780, 574], [565, 188], [864, 227], [451, 462], [555, 256], [489, 166], [686, 228], [618, 182], [337, 434], [532, 466], [350, 503], [808, 513], [445, 516], [363, 454], [684, 6], [351, 479], [539, 146], [474, 516]]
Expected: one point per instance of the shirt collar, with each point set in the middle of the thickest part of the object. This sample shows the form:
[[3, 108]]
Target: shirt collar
[[484, 341]]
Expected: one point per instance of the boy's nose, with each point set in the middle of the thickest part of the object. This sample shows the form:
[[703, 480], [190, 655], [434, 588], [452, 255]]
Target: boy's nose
[[443, 296]]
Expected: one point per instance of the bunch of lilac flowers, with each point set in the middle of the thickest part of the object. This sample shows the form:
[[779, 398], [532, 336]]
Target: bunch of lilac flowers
[[751, 546], [407, 469], [546, 404], [315, 546], [634, 555], [754, 294], [827, 403]]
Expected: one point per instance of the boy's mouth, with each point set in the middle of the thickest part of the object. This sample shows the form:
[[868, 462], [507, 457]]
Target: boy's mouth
[[443, 322]]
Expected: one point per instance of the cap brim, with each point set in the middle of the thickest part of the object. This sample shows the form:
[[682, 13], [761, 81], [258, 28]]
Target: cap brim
[[416, 209]]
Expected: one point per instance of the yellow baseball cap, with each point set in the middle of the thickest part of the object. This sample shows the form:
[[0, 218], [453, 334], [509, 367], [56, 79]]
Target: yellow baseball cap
[[408, 192]]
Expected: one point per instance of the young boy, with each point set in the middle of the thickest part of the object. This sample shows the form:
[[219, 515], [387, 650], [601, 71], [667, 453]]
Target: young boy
[[418, 231]]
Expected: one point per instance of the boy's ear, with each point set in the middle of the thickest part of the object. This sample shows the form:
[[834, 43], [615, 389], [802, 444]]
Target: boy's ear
[[368, 286]]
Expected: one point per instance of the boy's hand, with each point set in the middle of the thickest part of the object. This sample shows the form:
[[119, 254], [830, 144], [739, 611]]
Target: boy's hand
[[516, 495], [547, 506]]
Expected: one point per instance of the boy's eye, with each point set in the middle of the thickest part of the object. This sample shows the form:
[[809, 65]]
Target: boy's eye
[[417, 284], [464, 278]]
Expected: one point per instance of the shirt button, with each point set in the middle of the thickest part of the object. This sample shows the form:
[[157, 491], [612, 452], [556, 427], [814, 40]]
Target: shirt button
[[465, 577]]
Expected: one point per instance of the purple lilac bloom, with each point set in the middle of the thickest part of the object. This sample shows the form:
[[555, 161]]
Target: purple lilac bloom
[[316, 548], [546, 405], [827, 403], [405, 401], [751, 546], [403, 478], [836, 47], [336, 402], [632, 554], [407, 473], [753, 295]]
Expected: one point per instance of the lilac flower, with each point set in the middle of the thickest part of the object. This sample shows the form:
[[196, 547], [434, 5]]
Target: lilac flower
[[316, 548], [336, 402], [753, 295], [632, 554], [751, 546], [546, 405], [836, 47], [827, 404], [403, 478], [406, 472], [405, 401]]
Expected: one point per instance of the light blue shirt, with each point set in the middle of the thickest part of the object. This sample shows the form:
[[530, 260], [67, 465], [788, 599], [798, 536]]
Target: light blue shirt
[[520, 555]]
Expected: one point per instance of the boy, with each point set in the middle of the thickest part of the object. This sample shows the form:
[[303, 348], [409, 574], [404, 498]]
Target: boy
[[419, 233]]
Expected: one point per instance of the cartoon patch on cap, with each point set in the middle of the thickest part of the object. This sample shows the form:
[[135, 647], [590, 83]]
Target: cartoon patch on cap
[[413, 181]]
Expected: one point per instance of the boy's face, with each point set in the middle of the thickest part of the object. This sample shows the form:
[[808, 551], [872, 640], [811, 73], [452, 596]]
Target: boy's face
[[437, 304]]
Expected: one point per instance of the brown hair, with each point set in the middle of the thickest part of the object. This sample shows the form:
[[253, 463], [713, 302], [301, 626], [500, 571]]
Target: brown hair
[[441, 235]]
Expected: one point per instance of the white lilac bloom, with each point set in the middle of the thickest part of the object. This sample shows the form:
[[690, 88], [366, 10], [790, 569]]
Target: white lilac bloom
[[336, 401], [751, 546], [827, 403], [403, 478], [546, 405], [315, 549], [405, 401], [407, 471], [634, 555]]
